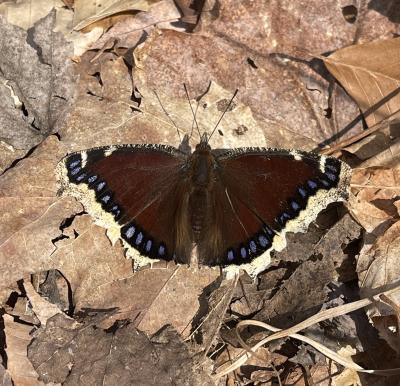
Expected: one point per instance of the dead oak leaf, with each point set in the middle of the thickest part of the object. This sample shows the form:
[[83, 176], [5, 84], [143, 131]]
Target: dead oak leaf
[[36, 85]]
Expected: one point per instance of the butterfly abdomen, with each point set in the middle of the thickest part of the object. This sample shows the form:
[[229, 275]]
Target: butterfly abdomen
[[201, 169]]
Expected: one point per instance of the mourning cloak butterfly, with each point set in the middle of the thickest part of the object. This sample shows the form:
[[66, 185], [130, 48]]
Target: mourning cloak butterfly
[[232, 207]]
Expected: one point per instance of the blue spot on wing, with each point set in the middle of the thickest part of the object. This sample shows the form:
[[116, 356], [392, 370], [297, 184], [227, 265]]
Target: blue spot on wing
[[139, 238], [312, 184], [73, 164]]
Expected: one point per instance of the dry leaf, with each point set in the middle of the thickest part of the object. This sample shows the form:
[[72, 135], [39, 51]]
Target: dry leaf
[[34, 93], [87, 13], [128, 32], [42, 308], [31, 213], [375, 193], [305, 288], [16, 12], [18, 365], [74, 354], [209, 322], [279, 95], [177, 302], [370, 74], [269, 27], [379, 267]]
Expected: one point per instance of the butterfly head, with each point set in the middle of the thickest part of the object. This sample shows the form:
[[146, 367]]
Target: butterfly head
[[203, 145]]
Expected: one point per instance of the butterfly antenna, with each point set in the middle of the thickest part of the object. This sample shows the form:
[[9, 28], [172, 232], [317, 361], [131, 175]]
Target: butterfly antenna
[[195, 113], [191, 108], [220, 119], [166, 113]]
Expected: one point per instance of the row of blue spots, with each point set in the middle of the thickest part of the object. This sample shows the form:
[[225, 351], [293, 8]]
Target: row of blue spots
[[136, 239], [78, 174], [325, 181], [259, 244]]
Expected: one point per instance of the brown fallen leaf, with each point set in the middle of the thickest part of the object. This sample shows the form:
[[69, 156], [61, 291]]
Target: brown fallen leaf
[[370, 74], [205, 331], [35, 93], [269, 27], [16, 13], [305, 290], [278, 95], [42, 308], [375, 194], [378, 266], [75, 354], [31, 213], [5, 377], [18, 365], [129, 31], [177, 301]]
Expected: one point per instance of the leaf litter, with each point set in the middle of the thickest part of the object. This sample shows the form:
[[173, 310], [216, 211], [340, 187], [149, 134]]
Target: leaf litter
[[86, 297]]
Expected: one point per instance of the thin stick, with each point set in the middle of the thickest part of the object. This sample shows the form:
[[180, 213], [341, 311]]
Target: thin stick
[[357, 137], [220, 119]]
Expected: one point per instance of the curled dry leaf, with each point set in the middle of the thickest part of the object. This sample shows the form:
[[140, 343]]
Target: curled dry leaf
[[370, 74], [374, 202]]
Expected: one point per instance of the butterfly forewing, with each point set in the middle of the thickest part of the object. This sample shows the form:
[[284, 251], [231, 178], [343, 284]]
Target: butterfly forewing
[[137, 185], [258, 191]]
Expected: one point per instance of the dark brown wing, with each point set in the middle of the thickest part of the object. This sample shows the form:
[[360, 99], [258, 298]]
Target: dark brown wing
[[138, 185], [261, 193]]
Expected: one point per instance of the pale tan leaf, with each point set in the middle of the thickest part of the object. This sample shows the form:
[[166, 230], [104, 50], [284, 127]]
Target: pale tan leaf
[[128, 32], [18, 365], [25, 13], [88, 12], [370, 73], [177, 302], [43, 309], [375, 192]]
